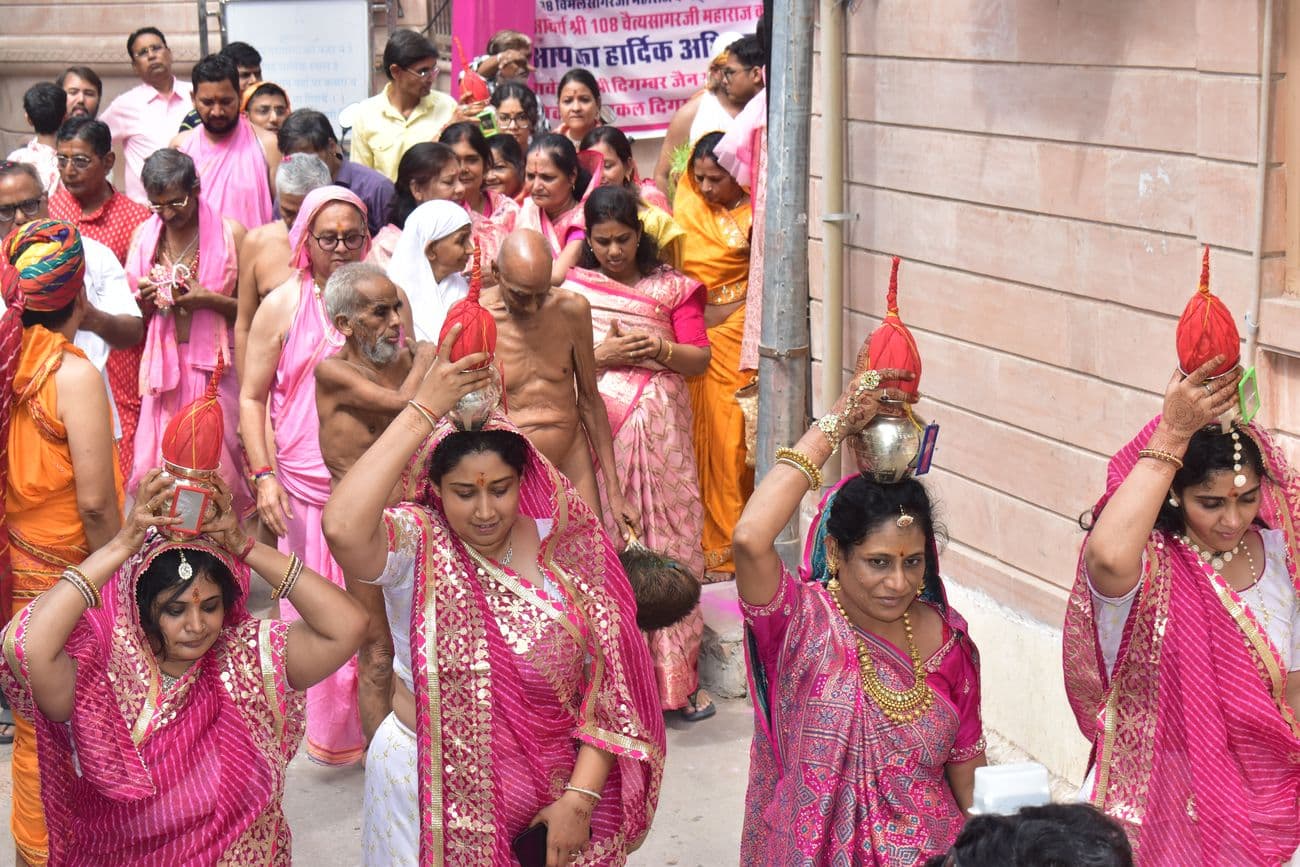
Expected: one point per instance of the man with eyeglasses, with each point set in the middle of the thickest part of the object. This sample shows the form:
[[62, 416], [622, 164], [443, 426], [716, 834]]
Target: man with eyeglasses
[[407, 111], [290, 334], [233, 157], [86, 199], [112, 318], [145, 118]]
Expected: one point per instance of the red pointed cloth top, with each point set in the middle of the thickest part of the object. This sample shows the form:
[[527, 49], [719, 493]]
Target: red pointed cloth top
[[1207, 329], [891, 345], [479, 333], [192, 441], [472, 84]]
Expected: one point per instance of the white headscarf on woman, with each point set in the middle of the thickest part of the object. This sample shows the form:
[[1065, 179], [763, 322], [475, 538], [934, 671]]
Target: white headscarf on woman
[[409, 268]]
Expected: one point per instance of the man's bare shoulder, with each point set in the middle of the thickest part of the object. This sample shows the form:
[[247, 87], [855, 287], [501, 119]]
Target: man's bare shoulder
[[266, 237], [571, 305], [278, 307]]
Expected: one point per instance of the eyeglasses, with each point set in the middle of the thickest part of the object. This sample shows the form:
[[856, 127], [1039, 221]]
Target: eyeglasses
[[420, 73], [29, 208], [729, 71], [175, 205], [507, 121], [81, 161], [352, 240], [149, 49]]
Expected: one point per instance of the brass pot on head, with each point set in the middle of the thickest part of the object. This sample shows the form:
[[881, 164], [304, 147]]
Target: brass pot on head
[[887, 448], [471, 412]]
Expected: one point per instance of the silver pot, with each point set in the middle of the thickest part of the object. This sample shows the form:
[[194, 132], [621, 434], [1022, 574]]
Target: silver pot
[[886, 449], [471, 412]]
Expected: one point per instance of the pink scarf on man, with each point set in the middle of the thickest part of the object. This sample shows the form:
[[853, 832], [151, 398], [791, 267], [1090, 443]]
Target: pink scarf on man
[[1197, 752], [160, 367], [144, 776], [493, 747], [233, 174]]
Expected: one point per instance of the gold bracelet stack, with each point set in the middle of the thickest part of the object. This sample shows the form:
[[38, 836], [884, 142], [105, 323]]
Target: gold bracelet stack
[[593, 797], [291, 576], [669, 356], [89, 592], [1161, 455], [802, 463]]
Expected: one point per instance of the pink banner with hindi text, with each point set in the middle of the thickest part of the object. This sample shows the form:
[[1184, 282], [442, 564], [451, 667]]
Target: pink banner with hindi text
[[648, 56]]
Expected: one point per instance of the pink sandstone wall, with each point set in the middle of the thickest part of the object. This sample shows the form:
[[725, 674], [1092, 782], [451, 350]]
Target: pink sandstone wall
[[1048, 172]]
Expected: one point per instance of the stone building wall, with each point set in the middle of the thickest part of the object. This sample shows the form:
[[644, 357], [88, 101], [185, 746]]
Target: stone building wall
[[1048, 172]]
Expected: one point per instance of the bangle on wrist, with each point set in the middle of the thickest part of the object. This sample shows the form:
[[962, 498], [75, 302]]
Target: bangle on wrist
[[588, 795], [424, 411], [829, 425], [803, 464]]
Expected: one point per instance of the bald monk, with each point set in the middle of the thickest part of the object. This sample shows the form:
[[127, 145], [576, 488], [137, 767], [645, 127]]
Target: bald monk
[[545, 346], [371, 379], [264, 256]]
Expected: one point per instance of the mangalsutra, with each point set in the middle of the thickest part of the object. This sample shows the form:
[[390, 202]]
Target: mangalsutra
[[899, 706], [510, 555]]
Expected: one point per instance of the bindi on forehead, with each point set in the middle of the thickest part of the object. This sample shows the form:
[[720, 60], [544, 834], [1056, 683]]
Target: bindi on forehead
[[194, 596], [480, 480]]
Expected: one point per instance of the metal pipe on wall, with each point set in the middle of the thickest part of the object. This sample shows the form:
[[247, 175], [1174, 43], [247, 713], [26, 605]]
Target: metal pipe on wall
[[833, 216], [783, 348], [1261, 182]]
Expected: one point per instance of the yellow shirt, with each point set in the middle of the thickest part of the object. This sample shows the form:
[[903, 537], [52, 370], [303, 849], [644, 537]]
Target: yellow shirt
[[660, 225], [380, 135]]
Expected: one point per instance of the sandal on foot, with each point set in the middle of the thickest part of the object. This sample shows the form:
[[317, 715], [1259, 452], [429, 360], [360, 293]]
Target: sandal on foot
[[694, 711]]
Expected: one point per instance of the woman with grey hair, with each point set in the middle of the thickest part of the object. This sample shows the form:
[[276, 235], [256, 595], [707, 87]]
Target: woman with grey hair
[[182, 267]]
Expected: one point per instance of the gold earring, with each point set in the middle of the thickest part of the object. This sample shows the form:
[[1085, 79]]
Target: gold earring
[[919, 591], [832, 564]]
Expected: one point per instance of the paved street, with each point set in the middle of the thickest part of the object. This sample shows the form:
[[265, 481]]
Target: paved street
[[698, 823]]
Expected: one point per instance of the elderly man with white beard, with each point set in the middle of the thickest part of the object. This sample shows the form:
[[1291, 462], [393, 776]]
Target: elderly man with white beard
[[370, 380]]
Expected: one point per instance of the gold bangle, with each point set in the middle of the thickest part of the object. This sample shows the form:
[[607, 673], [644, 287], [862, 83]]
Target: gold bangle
[[1160, 455], [89, 593], [785, 454], [829, 425], [420, 408], [669, 356], [290, 575]]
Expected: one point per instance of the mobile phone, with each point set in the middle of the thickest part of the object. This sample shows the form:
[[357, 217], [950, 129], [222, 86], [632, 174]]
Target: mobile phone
[[530, 846], [190, 503], [1248, 395], [487, 121], [926, 455]]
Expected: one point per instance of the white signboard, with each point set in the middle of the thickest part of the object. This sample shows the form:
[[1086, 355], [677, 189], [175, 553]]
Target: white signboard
[[317, 50]]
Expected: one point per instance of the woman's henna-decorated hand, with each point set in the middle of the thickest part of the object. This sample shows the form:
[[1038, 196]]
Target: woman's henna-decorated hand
[[1191, 402]]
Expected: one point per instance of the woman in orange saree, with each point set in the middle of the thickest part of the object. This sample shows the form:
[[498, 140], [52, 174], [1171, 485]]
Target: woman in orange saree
[[649, 322], [715, 212]]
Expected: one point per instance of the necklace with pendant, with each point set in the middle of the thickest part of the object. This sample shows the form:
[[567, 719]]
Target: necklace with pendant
[[902, 706], [1218, 559]]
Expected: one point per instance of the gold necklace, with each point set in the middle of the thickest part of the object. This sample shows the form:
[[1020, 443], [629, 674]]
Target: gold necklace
[[900, 707]]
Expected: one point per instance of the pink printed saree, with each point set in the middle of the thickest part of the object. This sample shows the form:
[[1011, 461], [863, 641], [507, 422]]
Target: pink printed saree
[[192, 775], [490, 229], [510, 681], [831, 779], [1196, 751], [650, 415]]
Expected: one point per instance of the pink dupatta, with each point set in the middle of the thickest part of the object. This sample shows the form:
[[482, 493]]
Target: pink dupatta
[[557, 231], [233, 174], [490, 229], [648, 308], [497, 738], [188, 776], [160, 365], [1197, 752]]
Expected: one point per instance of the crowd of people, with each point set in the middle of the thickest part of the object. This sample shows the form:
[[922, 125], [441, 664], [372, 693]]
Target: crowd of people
[[426, 388]]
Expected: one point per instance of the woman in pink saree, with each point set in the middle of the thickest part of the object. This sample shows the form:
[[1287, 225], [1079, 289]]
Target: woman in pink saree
[[165, 717], [1182, 637], [524, 692], [492, 216], [649, 325], [865, 683], [182, 266], [558, 180]]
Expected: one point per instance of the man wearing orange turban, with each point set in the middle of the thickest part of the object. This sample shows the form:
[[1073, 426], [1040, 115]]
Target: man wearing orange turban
[[63, 490]]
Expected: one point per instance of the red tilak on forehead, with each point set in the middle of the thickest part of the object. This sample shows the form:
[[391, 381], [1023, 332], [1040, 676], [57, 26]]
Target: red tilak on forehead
[[194, 595], [481, 481]]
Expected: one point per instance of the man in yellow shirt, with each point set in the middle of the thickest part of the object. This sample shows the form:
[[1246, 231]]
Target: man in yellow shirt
[[406, 111]]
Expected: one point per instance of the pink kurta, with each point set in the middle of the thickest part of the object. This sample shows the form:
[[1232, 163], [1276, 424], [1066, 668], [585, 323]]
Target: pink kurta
[[233, 174], [650, 416], [832, 780], [333, 723], [173, 374]]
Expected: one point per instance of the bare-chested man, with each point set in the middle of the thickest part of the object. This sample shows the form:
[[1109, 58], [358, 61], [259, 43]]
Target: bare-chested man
[[371, 379], [264, 256], [545, 346]]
